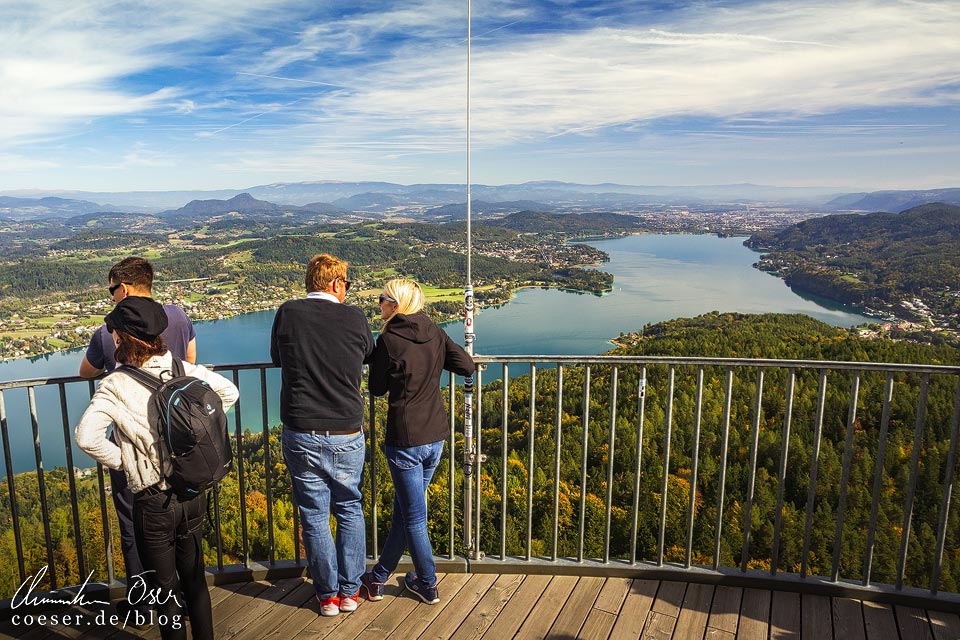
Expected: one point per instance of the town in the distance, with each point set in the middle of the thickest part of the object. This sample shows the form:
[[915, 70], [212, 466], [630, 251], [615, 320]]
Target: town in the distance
[[893, 255]]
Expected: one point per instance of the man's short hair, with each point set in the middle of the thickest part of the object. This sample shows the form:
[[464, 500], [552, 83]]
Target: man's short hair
[[322, 270], [133, 271]]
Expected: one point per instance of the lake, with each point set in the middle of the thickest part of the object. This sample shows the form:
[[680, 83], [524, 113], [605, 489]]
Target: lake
[[656, 277]]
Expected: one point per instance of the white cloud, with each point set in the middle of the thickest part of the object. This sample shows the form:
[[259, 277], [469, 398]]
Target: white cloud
[[777, 59]]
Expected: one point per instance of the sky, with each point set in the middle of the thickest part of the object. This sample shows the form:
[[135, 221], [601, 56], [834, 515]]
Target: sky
[[229, 94]]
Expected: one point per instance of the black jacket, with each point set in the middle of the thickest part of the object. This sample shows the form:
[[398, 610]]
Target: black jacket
[[320, 347], [410, 355]]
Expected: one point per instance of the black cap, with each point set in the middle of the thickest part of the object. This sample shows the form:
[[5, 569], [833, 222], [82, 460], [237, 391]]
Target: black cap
[[139, 316]]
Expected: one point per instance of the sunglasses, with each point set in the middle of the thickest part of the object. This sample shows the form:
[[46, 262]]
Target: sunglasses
[[346, 283], [113, 288], [385, 298]]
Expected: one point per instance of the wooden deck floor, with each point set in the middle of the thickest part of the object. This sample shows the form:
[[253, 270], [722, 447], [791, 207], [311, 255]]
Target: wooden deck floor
[[542, 606]]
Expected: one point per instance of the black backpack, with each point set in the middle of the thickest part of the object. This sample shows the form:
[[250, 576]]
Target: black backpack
[[193, 425]]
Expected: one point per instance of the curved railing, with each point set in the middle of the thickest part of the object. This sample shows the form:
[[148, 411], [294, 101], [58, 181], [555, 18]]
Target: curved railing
[[829, 477]]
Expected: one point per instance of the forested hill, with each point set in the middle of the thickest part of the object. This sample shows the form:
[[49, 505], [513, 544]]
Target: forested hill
[[907, 264], [777, 336]]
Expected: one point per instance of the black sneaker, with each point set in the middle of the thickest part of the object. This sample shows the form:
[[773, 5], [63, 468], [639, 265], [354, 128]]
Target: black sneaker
[[430, 595], [373, 588]]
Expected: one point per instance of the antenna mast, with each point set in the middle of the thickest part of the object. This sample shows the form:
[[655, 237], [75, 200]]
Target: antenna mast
[[469, 452]]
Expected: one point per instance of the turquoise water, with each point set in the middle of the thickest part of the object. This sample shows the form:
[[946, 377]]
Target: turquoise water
[[657, 277]]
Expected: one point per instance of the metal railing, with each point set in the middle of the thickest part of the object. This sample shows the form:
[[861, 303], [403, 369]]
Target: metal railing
[[830, 477]]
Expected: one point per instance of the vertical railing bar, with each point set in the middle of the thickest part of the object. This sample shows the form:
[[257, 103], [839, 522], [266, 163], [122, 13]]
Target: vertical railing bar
[[268, 478], [105, 522], [668, 433], [504, 419], [74, 501], [845, 478], [912, 488], [478, 463], [614, 376], [694, 457], [12, 490], [451, 462], [814, 470], [241, 480], [556, 465], [584, 448], [752, 479], [41, 484], [723, 469], [641, 406], [878, 478], [782, 472], [530, 437], [947, 493]]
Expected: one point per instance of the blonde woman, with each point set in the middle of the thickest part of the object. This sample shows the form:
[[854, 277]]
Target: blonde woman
[[410, 354]]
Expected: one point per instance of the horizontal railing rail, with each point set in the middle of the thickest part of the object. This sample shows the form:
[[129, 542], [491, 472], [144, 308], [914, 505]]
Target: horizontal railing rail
[[831, 477]]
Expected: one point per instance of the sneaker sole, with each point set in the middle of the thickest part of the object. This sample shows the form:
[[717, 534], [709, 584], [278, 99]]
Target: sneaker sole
[[372, 598], [419, 595]]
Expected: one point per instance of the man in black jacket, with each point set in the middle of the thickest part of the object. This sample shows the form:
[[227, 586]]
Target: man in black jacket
[[320, 345]]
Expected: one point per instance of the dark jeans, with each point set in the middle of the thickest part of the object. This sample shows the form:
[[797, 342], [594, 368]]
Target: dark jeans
[[169, 535], [123, 501]]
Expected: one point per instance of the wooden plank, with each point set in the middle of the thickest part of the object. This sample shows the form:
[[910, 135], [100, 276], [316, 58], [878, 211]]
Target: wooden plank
[[879, 621], [754, 621], [513, 615], [725, 610], [460, 606], [785, 616], [913, 623], [486, 611], [659, 626], [303, 598], [597, 625], [612, 595], [636, 607], [670, 598], [695, 611], [541, 617], [848, 619], [577, 608], [247, 596], [423, 614], [287, 624], [816, 621], [260, 615], [393, 610], [946, 626], [718, 634]]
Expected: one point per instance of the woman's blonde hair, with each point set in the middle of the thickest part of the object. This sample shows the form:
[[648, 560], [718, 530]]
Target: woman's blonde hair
[[407, 293]]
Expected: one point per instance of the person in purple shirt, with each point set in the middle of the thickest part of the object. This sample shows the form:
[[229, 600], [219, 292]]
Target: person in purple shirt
[[134, 277]]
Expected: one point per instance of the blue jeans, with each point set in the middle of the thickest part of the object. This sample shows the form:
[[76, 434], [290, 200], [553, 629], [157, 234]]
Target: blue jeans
[[326, 473], [412, 469]]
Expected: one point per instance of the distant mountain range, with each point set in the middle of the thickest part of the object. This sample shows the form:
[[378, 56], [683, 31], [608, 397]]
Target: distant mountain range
[[333, 200], [894, 201]]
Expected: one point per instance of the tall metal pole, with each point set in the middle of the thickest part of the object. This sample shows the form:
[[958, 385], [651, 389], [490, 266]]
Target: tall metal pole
[[469, 455]]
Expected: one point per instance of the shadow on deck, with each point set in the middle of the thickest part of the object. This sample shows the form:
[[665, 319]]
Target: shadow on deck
[[532, 606]]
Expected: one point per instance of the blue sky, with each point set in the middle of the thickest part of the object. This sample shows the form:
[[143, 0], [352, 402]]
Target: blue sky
[[178, 94]]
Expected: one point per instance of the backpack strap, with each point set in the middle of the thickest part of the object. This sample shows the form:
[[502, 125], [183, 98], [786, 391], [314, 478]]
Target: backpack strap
[[150, 382]]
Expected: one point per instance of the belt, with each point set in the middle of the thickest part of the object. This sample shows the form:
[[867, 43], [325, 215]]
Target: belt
[[329, 432]]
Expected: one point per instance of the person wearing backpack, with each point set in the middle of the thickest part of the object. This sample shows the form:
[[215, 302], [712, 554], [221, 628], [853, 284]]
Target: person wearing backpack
[[168, 527], [133, 276]]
